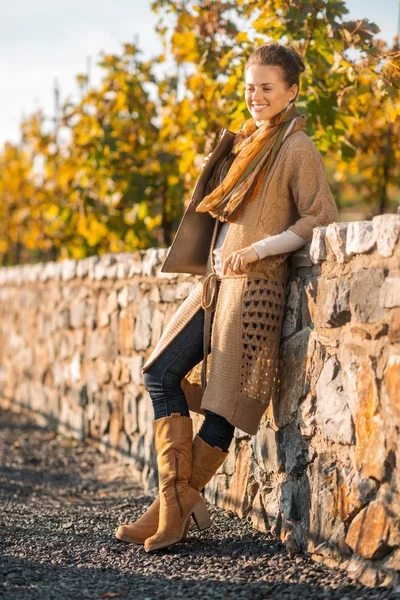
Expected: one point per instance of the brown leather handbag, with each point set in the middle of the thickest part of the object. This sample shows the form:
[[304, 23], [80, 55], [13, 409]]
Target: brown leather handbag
[[190, 247]]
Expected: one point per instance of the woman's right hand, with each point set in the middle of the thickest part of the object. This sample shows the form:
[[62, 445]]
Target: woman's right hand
[[206, 159]]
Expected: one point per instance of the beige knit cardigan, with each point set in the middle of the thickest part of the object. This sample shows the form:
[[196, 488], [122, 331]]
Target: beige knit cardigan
[[242, 367]]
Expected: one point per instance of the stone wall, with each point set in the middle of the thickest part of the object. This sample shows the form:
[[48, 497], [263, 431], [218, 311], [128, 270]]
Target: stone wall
[[322, 472]]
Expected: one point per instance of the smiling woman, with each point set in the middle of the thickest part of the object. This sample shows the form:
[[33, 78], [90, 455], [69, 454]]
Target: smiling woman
[[269, 192], [269, 87]]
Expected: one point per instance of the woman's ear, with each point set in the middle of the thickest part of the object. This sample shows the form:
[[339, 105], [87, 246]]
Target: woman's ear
[[296, 91]]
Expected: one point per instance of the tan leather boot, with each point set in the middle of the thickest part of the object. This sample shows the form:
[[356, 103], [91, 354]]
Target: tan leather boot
[[178, 500], [206, 460]]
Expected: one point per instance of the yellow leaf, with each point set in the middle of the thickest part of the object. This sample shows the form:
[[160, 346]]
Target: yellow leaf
[[242, 37]]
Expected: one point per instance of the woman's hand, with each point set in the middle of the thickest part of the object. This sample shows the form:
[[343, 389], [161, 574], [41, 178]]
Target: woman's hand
[[237, 261]]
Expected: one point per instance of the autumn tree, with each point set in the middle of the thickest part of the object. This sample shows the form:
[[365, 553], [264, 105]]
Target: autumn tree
[[118, 170]]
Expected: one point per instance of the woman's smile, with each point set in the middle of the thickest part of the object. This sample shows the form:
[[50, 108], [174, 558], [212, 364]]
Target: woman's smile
[[257, 107]]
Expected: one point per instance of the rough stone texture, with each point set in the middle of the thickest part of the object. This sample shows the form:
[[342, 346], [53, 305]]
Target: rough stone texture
[[334, 295], [365, 295], [332, 411], [370, 451], [369, 531], [391, 292], [336, 237], [360, 237], [318, 248], [322, 472], [387, 231]]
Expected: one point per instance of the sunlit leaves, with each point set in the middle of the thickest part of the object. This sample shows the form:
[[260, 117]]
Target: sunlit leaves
[[119, 170]]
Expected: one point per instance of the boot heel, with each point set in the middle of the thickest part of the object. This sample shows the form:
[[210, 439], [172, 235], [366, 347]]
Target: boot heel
[[201, 516]]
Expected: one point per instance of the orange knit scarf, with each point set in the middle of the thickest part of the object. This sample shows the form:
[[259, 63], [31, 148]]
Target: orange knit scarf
[[255, 149]]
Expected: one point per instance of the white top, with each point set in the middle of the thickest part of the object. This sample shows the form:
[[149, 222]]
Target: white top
[[287, 241]]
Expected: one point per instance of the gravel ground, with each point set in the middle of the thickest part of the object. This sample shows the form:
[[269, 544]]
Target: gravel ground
[[60, 503]]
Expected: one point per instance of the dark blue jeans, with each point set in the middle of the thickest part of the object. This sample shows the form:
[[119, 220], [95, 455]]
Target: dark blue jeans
[[163, 382]]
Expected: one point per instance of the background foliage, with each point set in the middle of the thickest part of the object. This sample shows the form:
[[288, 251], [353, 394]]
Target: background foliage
[[116, 171]]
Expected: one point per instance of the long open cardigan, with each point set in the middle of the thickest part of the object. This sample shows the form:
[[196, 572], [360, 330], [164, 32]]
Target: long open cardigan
[[242, 369]]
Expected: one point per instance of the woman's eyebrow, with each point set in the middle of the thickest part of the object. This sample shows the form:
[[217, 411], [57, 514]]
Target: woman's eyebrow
[[267, 83]]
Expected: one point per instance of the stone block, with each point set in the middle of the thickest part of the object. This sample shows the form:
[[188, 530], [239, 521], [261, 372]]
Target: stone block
[[368, 533], [259, 519], [90, 315], [122, 270], [387, 230], [62, 318], [94, 345], [136, 265], [370, 451], [75, 367], [323, 517], [126, 328], [50, 271], [333, 414], [145, 414], [92, 261], [136, 369], [99, 268], [72, 419], [68, 269], [301, 257], [390, 293], [317, 247], [289, 500], [142, 334], [360, 237], [65, 346], [115, 400], [292, 319], [111, 339], [392, 561], [293, 451], [353, 493], [236, 497], [292, 359], [308, 302], [154, 294], [156, 326], [307, 421], [107, 304], [333, 302], [183, 290], [168, 293], [102, 371], [266, 449], [128, 294], [120, 373], [391, 389], [131, 397], [350, 355], [82, 267], [77, 315], [394, 326], [365, 292], [150, 261], [336, 236]]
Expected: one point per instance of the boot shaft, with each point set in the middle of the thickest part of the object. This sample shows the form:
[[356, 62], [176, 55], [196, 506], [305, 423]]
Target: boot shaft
[[173, 442]]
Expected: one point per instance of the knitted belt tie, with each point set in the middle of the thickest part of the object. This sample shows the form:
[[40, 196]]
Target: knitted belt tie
[[208, 303]]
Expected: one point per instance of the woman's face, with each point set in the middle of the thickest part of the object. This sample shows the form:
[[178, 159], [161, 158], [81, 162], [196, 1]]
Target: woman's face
[[266, 94]]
